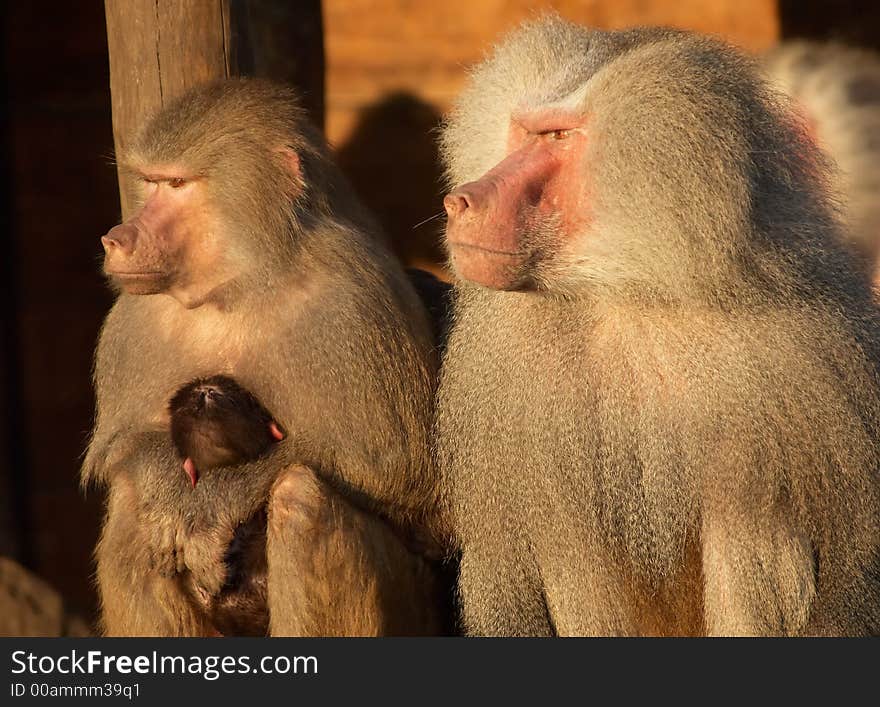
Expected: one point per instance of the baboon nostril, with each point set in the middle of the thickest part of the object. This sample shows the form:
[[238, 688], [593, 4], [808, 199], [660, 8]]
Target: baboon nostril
[[122, 237], [456, 203]]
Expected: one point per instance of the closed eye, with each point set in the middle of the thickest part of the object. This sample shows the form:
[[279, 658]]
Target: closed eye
[[173, 182], [558, 134]]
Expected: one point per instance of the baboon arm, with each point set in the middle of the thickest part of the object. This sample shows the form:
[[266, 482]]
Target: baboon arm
[[502, 596], [146, 540], [107, 449], [334, 570], [149, 458], [759, 575]]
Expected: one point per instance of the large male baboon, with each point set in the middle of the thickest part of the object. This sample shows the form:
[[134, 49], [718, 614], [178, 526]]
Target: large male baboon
[[659, 412]]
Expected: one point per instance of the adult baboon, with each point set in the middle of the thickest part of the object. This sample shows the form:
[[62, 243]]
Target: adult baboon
[[249, 257], [659, 407]]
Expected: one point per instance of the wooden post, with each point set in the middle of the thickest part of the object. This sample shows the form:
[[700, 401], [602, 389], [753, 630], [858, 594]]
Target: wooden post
[[160, 48]]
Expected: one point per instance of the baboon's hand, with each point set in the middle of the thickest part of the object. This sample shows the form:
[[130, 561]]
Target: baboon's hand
[[205, 556], [166, 550]]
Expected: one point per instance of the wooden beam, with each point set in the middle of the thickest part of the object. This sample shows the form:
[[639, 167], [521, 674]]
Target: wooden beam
[[158, 49]]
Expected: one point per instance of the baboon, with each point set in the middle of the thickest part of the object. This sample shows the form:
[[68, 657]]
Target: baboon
[[658, 411], [215, 422], [249, 257], [837, 90]]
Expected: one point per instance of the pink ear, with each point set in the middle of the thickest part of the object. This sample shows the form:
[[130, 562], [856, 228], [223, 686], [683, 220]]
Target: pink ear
[[291, 161], [275, 431], [190, 468]]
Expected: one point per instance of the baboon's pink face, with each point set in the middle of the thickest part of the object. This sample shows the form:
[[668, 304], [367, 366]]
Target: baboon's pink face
[[525, 208], [171, 243]]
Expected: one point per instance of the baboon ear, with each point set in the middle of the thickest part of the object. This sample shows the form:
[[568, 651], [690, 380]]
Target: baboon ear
[[290, 161]]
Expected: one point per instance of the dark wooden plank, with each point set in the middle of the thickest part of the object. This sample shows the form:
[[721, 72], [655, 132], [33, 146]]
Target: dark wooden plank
[[61, 196], [854, 22], [283, 41], [13, 487]]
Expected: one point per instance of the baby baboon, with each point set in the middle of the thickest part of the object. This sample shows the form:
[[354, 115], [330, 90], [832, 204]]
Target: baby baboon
[[659, 411], [249, 257], [216, 422]]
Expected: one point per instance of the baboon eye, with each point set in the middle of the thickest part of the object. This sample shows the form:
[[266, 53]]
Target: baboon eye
[[558, 134], [176, 182]]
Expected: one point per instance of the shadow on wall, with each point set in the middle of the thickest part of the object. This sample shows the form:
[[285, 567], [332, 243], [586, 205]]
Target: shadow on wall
[[392, 160]]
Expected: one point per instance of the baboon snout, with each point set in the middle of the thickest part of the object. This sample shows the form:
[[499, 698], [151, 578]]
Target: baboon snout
[[456, 203], [474, 200], [120, 238], [208, 395]]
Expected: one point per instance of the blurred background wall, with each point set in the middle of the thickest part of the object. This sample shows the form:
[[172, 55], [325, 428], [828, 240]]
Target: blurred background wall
[[389, 69]]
